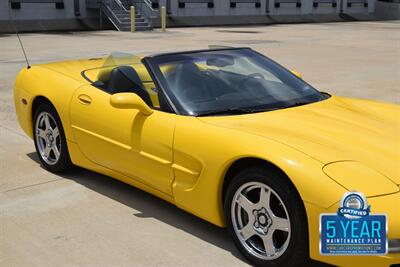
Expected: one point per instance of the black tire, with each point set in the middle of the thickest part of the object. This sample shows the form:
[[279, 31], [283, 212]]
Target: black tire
[[297, 250], [64, 162]]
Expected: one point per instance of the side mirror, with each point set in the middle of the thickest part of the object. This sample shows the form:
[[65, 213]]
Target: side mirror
[[130, 101], [298, 74]]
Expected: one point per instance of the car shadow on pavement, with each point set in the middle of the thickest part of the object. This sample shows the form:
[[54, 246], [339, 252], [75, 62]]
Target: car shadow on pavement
[[149, 206]]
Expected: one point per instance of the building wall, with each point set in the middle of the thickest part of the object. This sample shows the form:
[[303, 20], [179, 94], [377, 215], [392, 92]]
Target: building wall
[[45, 16], [42, 11], [222, 8], [195, 14], [388, 10]]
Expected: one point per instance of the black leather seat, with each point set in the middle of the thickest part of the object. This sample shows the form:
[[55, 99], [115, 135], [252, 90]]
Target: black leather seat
[[124, 79]]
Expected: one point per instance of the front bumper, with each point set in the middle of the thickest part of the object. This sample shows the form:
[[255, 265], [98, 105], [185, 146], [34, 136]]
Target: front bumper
[[394, 245], [389, 205]]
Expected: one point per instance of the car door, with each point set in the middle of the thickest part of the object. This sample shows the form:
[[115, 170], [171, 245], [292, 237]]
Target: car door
[[124, 140]]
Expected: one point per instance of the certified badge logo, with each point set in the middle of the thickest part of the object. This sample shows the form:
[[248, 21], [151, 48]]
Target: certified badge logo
[[354, 205], [353, 230]]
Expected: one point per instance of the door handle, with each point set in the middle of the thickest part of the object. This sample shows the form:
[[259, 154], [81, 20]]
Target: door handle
[[84, 99]]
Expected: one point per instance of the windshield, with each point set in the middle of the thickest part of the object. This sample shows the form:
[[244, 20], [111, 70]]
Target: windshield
[[101, 67], [230, 82]]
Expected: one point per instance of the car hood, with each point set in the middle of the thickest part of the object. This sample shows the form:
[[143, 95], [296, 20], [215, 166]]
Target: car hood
[[336, 129]]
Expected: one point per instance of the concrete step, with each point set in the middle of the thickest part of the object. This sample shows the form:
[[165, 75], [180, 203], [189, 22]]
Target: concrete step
[[129, 18], [141, 23], [118, 12], [125, 18], [137, 28], [126, 14], [137, 24]]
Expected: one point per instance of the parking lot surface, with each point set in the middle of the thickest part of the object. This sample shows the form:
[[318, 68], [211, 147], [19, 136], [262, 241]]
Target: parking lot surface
[[85, 219]]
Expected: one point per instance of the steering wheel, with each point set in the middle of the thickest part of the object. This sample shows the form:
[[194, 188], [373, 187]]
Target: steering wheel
[[257, 76]]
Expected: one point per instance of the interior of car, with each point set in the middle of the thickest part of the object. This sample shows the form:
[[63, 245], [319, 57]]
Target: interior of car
[[201, 84], [128, 78]]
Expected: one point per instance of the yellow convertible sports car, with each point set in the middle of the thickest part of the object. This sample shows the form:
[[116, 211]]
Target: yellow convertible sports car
[[225, 134]]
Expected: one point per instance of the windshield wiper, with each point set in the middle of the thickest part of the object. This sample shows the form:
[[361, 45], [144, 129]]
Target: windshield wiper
[[297, 104], [233, 111], [238, 111]]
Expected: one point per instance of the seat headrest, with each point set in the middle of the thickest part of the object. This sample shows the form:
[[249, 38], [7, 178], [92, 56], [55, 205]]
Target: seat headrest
[[125, 79], [188, 68]]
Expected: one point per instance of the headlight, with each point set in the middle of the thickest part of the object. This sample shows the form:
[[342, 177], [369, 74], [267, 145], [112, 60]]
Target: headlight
[[355, 176]]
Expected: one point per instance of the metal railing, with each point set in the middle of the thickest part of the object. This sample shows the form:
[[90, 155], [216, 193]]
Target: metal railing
[[145, 7], [115, 5], [148, 11], [114, 10]]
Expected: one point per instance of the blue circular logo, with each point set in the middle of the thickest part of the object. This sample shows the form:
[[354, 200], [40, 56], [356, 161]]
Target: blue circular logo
[[354, 205]]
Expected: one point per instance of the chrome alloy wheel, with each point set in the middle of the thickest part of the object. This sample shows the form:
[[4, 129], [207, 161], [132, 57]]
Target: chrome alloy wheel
[[260, 220], [48, 138]]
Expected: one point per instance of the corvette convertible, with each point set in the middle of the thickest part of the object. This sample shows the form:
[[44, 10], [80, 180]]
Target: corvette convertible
[[226, 134]]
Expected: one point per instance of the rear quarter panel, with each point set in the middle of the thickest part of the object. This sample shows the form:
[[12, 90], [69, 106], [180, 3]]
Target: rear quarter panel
[[40, 81]]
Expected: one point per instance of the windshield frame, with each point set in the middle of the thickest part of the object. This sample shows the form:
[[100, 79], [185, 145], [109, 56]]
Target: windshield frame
[[152, 64]]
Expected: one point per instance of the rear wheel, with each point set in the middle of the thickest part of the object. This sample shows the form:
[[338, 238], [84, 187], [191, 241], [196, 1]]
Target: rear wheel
[[49, 138], [266, 219]]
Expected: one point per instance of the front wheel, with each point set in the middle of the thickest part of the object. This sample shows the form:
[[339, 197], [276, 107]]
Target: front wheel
[[49, 137], [266, 219]]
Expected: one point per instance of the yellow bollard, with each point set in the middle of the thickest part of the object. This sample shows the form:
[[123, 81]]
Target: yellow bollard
[[163, 18], [133, 16]]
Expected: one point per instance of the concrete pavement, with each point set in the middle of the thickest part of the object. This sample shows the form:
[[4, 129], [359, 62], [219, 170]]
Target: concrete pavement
[[86, 219]]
